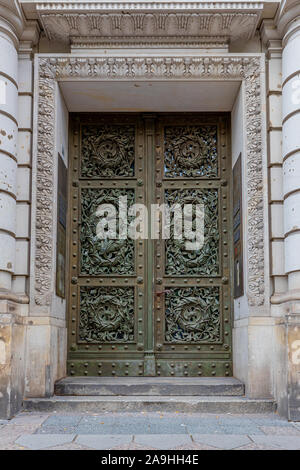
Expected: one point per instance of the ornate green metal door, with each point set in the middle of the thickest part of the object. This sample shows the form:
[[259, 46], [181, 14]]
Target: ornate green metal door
[[149, 306]]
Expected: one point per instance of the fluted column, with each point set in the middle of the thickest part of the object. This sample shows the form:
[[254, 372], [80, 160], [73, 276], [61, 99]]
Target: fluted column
[[291, 153]]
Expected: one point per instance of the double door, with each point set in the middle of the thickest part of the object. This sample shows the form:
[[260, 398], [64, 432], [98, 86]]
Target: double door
[[153, 296]]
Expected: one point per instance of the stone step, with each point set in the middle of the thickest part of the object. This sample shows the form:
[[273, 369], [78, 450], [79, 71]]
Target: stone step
[[149, 386], [186, 404]]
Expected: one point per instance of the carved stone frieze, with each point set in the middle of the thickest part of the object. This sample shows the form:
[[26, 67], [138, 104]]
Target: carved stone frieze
[[127, 24], [217, 43], [246, 68], [45, 188]]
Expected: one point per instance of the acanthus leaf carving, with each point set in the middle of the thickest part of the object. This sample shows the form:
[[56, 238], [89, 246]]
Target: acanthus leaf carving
[[125, 23]]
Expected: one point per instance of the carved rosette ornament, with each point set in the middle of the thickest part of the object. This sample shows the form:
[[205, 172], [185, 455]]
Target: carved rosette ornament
[[225, 67]]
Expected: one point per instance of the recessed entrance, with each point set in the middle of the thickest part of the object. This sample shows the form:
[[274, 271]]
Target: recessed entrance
[[150, 306]]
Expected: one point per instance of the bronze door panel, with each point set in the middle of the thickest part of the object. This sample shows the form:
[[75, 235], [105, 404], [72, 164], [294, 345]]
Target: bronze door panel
[[192, 315], [149, 307]]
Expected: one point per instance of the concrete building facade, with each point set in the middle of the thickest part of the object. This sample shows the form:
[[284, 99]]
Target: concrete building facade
[[64, 62]]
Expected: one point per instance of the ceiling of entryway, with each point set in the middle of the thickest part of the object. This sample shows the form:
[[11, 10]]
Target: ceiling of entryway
[[156, 96]]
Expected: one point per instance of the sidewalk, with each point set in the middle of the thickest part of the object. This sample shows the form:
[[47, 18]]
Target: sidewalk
[[31, 430]]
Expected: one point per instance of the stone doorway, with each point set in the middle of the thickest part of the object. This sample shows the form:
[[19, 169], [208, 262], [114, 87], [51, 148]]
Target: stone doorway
[[149, 307]]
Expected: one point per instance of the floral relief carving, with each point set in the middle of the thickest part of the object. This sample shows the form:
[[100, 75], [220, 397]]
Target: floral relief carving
[[191, 151], [108, 151], [202, 262], [109, 256], [246, 68], [106, 314], [193, 315]]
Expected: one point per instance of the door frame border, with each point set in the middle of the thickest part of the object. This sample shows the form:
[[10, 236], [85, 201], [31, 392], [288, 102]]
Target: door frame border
[[248, 69], [50, 69]]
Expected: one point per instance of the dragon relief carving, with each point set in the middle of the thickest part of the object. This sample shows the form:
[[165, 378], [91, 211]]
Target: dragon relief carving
[[245, 68]]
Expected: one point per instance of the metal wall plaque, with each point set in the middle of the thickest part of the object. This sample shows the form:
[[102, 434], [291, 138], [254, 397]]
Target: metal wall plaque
[[61, 228], [238, 229]]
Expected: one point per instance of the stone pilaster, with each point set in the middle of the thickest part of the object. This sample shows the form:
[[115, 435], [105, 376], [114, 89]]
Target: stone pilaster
[[273, 49], [24, 158]]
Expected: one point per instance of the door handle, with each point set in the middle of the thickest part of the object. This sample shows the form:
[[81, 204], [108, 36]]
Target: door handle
[[162, 292]]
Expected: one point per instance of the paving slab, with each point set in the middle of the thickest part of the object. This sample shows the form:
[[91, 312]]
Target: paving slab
[[148, 423], [163, 441], [28, 419], [103, 442], [152, 430], [8, 437], [268, 420], [70, 446], [283, 442], [247, 428], [132, 425], [63, 420], [253, 446], [226, 442], [41, 441], [280, 430], [196, 446], [59, 429], [10, 432]]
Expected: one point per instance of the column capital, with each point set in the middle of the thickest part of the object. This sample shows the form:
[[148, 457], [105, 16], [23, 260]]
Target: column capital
[[29, 39], [12, 20], [271, 38]]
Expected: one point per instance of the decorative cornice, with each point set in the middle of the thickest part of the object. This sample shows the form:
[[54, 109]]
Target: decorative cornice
[[50, 69], [62, 26], [147, 5], [202, 42]]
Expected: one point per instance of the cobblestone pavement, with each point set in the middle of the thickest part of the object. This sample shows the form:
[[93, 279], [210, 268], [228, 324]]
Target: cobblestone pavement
[[124, 431]]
